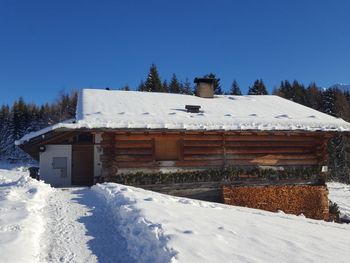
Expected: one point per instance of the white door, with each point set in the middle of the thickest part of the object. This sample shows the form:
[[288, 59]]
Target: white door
[[56, 165]]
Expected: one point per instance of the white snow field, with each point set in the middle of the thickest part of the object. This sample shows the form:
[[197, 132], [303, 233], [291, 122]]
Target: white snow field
[[340, 193], [21, 221], [115, 223], [185, 230]]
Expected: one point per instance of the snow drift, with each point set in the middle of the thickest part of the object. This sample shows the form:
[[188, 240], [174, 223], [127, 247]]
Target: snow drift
[[146, 240], [21, 224], [162, 228]]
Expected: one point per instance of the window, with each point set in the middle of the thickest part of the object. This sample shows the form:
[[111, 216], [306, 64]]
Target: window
[[166, 148]]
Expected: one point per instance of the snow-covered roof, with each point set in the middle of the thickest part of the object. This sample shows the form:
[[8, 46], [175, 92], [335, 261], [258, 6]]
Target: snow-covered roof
[[147, 110]]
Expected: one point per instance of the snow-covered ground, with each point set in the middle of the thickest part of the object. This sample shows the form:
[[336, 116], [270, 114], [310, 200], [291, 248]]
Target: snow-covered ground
[[186, 230], [78, 229], [115, 223], [340, 193], [21, 221], [42, 224]]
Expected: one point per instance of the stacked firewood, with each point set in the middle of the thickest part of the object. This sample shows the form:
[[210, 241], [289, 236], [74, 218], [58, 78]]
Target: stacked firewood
[[311, 201]]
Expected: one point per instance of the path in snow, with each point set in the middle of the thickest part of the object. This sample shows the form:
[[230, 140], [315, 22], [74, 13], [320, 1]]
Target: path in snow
[[78, 230]]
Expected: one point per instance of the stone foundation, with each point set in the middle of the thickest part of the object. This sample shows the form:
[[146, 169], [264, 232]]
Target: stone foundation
[[312, 201]]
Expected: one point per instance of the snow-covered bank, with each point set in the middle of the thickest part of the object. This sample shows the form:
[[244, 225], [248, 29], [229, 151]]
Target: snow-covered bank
[[340, 194], [146, 240], [21, 203], [161, 228]]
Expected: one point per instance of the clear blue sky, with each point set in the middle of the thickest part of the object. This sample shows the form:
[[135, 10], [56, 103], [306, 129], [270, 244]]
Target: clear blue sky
[[48, 46]]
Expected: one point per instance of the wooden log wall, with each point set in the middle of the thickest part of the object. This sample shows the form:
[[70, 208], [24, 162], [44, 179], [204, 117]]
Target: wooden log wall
[[247, 149], [134, 152], [215, 149]]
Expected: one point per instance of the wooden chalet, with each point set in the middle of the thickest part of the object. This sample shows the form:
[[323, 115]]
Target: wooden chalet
[[186, 145]]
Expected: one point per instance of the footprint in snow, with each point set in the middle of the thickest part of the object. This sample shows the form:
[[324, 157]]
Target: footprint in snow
[[282, 116], [149, 199], [185, 201]]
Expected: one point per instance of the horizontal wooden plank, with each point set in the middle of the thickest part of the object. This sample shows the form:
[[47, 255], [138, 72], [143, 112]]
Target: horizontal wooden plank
[[139, 151], [203, 137], [194, 157], [142, 145], [132, 141], [287, 156], [270, 143], [203, 150], [107, 142], [131, 158], [271, 138], [267, 150], [273, 162], [136, 165], [204, 143], [199, 164], [133, 138]]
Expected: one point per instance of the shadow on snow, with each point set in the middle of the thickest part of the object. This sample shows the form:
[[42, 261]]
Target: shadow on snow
[[106, 243]]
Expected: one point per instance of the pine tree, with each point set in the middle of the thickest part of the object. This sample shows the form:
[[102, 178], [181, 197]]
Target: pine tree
[[285, 90], [328, 101], [187, 88], [299, 91], [338, 164], [341, 106], [141, 86], [258, 88], [165, 86], [125, 88], [174, 85], [4, 129], [18, 125], [19, 119], [313, 96], [235, 90], [153, 82]]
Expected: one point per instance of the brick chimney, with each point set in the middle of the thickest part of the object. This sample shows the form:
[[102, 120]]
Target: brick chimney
[[205, 87]]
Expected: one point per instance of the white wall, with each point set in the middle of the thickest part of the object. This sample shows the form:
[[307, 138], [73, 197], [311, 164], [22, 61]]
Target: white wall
[[47, 172]]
